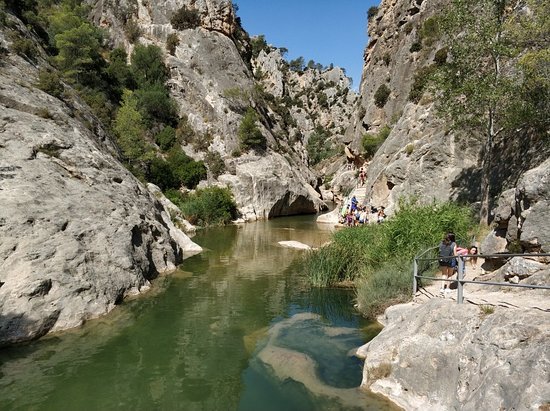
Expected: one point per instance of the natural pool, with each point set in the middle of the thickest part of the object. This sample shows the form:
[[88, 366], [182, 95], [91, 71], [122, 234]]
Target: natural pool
[[237, 328]]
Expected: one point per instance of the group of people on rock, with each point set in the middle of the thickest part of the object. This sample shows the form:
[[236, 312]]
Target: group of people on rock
[[449, 252], [354, 214]]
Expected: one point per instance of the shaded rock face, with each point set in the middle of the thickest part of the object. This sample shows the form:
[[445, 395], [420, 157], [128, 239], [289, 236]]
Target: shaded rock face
[[522, 215], [77, 231], [422, 156], [448, 356]]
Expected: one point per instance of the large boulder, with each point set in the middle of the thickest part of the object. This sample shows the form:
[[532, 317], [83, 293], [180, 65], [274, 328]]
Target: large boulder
[[268, 186], [443, 356], [78, 232], [522, 215]]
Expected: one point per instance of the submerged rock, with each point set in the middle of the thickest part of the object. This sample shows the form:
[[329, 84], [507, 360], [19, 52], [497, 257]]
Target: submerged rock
[[295, 244]]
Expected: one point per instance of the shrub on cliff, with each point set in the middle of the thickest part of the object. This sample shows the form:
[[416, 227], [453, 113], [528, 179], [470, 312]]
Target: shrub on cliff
[[185, 18], [381, 96], [372, 142], [250, 135]]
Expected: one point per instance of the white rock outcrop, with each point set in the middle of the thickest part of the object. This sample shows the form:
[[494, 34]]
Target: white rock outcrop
[[444, 356], [78, 232]]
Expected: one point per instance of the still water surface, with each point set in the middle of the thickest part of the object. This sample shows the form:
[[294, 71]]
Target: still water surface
[[236, 329]]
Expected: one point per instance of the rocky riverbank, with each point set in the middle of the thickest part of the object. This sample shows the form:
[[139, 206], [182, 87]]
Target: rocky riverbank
[[492, 352]]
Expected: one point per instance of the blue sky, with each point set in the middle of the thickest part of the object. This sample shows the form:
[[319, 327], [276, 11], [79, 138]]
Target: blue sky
[[326, 31]]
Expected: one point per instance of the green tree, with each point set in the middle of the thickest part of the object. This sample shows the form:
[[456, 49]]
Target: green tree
[[258, 44], [296, 64], [319, 146], [381, 95], [483, 88], [119, 70], [156, 105], [185, 170], [79, 52], [172, 41], [147, 65], [249, 133], [185, 18], [130, 129], [166, 138]]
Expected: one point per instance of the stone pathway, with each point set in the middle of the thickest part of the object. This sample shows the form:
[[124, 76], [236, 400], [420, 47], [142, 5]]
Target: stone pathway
[[508, 297]]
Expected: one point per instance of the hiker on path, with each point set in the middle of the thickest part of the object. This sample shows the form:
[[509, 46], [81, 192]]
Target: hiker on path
[[446, 253]]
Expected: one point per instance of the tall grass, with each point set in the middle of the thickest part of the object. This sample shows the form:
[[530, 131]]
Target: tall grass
[[379, 257]]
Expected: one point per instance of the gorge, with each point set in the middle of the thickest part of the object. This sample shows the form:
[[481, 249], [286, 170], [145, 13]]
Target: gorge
[[81, 231]]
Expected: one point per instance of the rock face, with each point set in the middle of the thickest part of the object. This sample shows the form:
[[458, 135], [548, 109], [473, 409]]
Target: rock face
[[317, 97], [211, 78], [422, 156], [77, 231], [442, 356], [267, 187]]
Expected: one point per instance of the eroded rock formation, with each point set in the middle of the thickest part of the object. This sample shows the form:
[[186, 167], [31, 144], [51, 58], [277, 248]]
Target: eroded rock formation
[[445, 356], [78, 232]]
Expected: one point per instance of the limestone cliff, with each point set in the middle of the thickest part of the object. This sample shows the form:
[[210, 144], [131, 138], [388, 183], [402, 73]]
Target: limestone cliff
[[422, 156], [211, 78], [78, 232]]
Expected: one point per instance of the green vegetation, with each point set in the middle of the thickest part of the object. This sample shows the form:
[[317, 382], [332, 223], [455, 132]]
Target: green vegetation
[[148, 66], [378, 257], [371, 142], [429, 31], [421, 81], [371, 12], [185, 18], [416, 46], [50, 82], [215, 163], [132, 31], [177, 170], [258, 44], [495, 85], [319, 146], [166, 139], [250, 135], [296, 64], [381, 96], [486, 309], [211, 206], [172, 41]]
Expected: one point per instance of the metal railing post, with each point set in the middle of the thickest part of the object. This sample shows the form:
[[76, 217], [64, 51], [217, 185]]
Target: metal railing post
[[415, 273], [459, 278]]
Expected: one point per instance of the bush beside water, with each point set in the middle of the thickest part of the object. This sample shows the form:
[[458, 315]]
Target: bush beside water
[[210, 206], [378, 257]]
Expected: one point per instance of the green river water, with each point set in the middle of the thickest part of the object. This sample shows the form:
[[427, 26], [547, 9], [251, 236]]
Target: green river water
[[237, 328]]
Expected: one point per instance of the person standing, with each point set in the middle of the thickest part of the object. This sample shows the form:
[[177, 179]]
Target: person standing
[[446, 253]]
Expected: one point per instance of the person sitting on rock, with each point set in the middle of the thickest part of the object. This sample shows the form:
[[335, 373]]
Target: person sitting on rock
[[381, 215]]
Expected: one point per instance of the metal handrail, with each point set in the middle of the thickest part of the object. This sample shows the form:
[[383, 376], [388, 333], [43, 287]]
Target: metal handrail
[[461, 281]]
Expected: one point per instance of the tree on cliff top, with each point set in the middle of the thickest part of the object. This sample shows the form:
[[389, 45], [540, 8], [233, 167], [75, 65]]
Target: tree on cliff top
[[496, 81]]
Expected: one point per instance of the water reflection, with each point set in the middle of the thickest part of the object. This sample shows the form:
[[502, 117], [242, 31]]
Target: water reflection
[[196, 341]]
